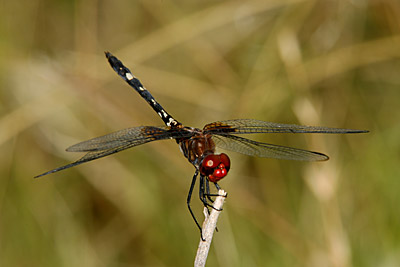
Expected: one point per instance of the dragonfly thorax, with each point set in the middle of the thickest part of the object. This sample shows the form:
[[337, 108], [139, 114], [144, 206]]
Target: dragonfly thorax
[[196, 148]]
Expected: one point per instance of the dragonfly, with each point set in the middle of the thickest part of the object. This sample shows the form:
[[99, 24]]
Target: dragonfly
[[198, 145]]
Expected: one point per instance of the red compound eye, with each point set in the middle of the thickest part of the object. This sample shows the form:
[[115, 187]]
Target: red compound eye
[[225, 160], [211, 161], [215, 167]]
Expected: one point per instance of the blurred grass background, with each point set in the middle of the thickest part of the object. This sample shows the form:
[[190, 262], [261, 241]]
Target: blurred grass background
[[328, 63]]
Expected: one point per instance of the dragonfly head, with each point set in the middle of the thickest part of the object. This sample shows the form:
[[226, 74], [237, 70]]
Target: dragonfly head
[[215, 167]]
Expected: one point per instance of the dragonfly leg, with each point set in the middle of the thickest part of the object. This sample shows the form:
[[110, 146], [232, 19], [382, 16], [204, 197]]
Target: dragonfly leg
[[219, 188], [189, 197], [203, 193], [208, 194]]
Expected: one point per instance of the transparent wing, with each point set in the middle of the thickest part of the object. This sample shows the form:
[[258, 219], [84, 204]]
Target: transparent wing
[[246, 126], [127, 137], [88, 157], [258, 149], [115, 142]]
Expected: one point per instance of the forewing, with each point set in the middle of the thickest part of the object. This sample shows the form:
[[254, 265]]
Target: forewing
[[114, 142], [124, 138], [246, 126], [258, 149]]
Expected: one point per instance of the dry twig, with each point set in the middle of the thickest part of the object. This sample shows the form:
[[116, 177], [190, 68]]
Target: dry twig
[[209, 225]]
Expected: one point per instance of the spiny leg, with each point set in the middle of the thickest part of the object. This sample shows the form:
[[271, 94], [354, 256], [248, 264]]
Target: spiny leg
[[202, 192], [208, 191], [204, 195], [209, 195], [217, 186], [189, 197], [213, 195]]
